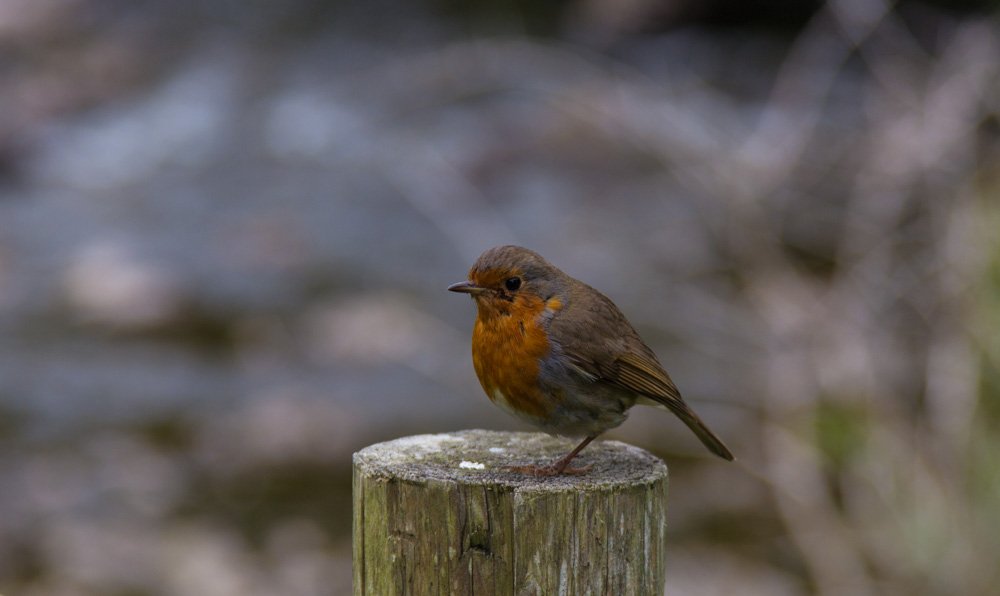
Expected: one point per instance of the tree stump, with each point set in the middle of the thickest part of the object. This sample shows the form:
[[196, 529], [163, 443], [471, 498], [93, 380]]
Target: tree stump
[[443, 514]]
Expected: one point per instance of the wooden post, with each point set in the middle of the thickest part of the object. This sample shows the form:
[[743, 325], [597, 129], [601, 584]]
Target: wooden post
[[442, 514]]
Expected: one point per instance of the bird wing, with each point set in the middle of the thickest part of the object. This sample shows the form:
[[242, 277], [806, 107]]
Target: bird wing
[[643, 375], [603, 347], [630, 371]]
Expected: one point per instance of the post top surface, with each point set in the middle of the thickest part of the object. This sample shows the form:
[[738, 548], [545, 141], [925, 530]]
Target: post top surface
[[484, 457]]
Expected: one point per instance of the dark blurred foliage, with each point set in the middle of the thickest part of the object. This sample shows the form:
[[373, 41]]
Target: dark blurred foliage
[[226, 229]]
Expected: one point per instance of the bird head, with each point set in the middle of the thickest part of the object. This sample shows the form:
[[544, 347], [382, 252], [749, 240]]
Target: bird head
[[508, 278]]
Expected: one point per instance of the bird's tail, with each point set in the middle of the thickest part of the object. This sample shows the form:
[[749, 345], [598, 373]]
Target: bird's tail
[[707, 437]]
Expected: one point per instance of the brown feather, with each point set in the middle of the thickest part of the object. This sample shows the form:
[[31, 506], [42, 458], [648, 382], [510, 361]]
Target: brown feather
[[601, 343], [576, 327], [646, 377]]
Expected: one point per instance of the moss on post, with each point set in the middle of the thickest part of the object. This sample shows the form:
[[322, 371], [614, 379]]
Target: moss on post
[[441, 514]]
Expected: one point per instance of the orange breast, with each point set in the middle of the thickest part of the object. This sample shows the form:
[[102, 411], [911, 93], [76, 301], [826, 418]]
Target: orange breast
[[506, 350]]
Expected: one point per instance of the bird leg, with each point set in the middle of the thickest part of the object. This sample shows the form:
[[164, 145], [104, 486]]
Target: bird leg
[[561, 465]]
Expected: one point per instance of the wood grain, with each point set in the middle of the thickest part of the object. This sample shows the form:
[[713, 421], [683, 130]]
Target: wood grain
[[442, 514]]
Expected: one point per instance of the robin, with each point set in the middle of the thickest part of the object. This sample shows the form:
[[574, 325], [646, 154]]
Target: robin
[[557, 353]]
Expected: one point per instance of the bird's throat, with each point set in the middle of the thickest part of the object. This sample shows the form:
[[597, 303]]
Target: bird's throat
[[507, 350]]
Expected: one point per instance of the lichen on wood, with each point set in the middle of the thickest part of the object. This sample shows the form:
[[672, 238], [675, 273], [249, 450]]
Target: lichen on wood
[[445, 514]]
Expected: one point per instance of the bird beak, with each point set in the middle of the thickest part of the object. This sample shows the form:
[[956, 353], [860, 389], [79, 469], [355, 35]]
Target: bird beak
[[466, 287]]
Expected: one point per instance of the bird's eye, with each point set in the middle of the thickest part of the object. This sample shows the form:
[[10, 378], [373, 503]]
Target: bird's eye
[[512, 283]]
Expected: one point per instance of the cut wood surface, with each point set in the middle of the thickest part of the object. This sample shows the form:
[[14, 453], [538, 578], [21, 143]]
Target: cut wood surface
[[444, 514]]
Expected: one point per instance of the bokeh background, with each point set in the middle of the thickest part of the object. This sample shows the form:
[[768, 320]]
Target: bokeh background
[[226, 229]]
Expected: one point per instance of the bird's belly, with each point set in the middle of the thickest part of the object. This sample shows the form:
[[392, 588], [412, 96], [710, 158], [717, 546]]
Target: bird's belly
[[528, 410], [520, 373], [586, 407]]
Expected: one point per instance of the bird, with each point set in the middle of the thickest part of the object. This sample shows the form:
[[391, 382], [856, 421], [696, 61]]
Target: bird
[[557, 353]]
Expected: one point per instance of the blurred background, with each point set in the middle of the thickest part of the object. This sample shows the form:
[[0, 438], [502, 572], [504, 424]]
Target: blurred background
[[226, 229]]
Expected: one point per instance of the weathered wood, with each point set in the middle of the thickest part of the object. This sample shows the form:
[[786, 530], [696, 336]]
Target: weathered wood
[[442, 514]]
